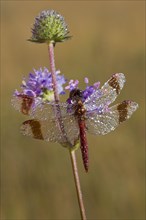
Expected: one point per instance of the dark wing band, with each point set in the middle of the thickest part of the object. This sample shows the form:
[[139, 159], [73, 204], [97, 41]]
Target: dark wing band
[[101, 124], [107, 94]]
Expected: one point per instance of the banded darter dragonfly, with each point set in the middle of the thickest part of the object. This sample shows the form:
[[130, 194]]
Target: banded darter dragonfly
[[68, 122]]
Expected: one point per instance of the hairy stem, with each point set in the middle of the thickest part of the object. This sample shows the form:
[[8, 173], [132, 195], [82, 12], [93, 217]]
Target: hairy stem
[[78, 185], [61, 127], [53, 71], [56, 95]]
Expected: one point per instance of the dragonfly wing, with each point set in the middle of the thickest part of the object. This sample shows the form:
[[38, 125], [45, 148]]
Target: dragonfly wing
[[66, 131], [23, 104], [107, 94], [39, 109], [51, 110], [101, 124]]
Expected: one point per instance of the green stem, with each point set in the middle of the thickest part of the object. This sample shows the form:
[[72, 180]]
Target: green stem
[[78, 185]]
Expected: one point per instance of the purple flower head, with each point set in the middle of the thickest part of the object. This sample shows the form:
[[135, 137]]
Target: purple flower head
[[39, 84], [73, 84], [89, 89]]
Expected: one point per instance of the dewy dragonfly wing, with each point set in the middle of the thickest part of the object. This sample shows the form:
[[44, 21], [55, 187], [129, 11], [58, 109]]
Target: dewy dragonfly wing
[[107, 94], [38, 109], [48, 129], [101, 124], [49, 121], [45, 110], [23, 103]]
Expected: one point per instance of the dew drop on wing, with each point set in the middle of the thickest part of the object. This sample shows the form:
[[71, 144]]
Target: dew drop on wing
[[100, 124], [51, 131], [108, 92], [47, 110]]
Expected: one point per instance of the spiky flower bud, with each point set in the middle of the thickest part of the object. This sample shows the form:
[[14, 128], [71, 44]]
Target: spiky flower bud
[[49, 26]]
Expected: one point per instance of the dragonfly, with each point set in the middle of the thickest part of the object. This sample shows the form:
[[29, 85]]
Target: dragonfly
[[66, 123]]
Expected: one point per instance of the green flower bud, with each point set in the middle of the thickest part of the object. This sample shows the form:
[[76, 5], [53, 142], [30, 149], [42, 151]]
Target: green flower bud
[[49, 26]]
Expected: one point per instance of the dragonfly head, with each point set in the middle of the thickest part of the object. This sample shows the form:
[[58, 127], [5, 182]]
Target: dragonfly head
[[76, 95]]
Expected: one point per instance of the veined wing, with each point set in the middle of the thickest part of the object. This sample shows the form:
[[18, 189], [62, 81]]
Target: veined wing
[[23, 103], [39, 109], [107, 94], [64, 132], [51, 110], [101, 124]]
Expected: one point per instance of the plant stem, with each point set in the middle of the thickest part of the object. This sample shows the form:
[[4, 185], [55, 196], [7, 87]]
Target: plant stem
[[57, 110], [61, 127], [77, 184], [53, 71]]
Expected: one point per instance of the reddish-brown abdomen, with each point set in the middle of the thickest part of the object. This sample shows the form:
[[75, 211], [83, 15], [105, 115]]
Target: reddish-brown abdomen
[[84, 144]]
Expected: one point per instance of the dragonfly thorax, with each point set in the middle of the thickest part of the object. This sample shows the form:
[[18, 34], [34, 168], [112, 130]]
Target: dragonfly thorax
[[76, 97], [80, 110]]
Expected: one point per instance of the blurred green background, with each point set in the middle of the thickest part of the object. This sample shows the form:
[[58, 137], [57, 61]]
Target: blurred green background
[[36, 176]]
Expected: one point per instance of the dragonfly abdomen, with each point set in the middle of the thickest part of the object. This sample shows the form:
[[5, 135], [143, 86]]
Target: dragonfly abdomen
[[84, 144]]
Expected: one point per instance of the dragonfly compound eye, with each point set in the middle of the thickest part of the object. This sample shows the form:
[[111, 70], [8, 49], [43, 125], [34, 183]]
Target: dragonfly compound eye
[[76, 94]]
